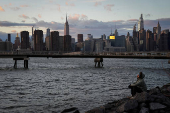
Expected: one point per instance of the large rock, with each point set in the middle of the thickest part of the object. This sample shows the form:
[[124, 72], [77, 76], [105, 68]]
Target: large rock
[[154, 91], [71, 110], [141, 97], [131, 104], [155, 106], [97, 110], [144, 110]]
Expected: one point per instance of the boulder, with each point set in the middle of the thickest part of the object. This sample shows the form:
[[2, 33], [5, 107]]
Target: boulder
[[97, 110], [142, 105], [131, 104], [141, 97], [155, 106], [144, 110], [71, 110], [154, 91]]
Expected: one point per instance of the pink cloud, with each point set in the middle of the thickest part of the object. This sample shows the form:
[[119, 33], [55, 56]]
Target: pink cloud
[[69, 4], [118, 21], [78, 17], [108, 7], [39, 15], [14, 31], [10, 4], [1, 9], [24, 16], [74, 17], [23, 5], [132, 20], [97, 3]]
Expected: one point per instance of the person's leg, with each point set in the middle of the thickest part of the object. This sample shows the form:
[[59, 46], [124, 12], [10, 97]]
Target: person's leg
[[138, 90], [133, 90]]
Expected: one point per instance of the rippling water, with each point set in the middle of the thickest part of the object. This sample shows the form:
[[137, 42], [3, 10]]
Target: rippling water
[[52, 85]]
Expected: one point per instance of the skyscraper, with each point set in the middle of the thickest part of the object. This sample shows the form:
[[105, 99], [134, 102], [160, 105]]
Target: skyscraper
[[38, 40], [66, 27], [80, 38], [55, 41], [48, 32], [140, 23], [149, 41], [9, 37], [158, 30], [17, 42], [25, 40]]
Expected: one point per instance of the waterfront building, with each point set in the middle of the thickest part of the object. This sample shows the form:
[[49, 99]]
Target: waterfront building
[[38, 40], [25, 44], [142, 40], [66, 27], [120, 41], [98, 45], [61, 43], [5, 46], [9, 37], [47, 43], [67, 43], [79, 46], [103, 37], [80, 38], [89, 37], [140, 23], [149, 41], [163, 40], [73, 44], [54, 41], [17, 43]]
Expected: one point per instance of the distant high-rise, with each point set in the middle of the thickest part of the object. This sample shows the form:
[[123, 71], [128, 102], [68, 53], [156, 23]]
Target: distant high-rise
[[80, 38], [66, 27], [116, 33], [38, 40], [55, 40], [48, 32], [17, 42], [140, 23], [158, 30], [9, 37], [25, 40], [67, 43], [142, 40], [149, 41]]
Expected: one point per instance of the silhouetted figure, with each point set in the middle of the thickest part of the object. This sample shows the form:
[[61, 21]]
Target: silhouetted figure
[[139, 86]]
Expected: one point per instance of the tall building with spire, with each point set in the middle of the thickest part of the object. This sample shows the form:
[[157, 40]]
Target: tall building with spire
[[140, 23], [66, 27], [158, 30], [17, 42]]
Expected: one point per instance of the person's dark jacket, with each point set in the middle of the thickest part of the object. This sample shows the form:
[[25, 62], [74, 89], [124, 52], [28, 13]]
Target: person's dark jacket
[[140, 83]]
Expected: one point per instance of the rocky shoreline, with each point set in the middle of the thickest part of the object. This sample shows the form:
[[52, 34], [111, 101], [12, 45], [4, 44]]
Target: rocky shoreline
[[156, 100]]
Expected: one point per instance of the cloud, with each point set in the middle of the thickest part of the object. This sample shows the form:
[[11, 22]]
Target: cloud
[[39, 15], [132, 20], [97, 3], [13, 31], [69, 4], [62, 18], [23, 16], [35, 19], [15, 8], [23, 5], [1, 9], [8, 24], [108, 7], [58, 7]]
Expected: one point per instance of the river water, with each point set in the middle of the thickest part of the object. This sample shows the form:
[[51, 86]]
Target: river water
[[52, 85]]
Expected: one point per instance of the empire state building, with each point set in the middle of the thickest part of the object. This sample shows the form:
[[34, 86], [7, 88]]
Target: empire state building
[[66, 27]]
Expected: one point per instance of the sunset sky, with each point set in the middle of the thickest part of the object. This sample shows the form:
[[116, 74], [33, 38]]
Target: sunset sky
[[94, 17]]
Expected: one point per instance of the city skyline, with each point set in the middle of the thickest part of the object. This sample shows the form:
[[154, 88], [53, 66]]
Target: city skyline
[[94, 17]]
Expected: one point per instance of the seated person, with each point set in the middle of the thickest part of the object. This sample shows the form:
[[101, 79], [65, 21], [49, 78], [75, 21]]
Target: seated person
[[139, 86]]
